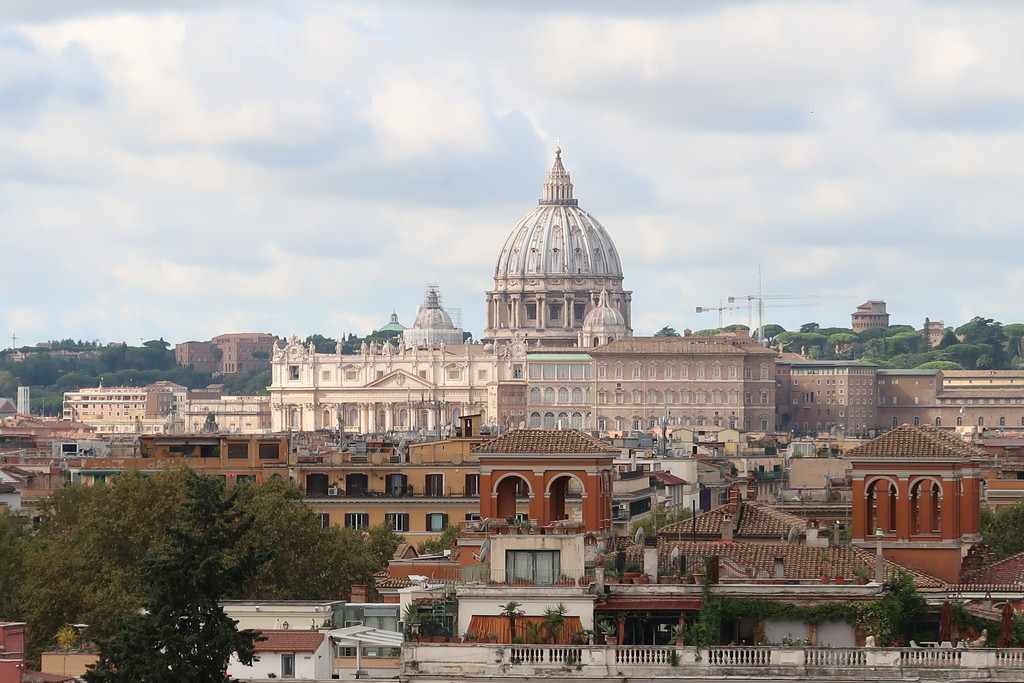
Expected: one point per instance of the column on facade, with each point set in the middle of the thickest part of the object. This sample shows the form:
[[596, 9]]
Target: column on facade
[[903, 512], [540, 312], [882, 506], [389, 417]]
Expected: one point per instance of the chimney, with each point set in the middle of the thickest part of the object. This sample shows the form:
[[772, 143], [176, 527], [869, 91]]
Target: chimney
[[727, 527], [751, 488], [358, 593], [734, 499], [651, 562]]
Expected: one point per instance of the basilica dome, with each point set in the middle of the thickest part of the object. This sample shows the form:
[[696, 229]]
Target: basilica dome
[[558, 237], [552, 269]]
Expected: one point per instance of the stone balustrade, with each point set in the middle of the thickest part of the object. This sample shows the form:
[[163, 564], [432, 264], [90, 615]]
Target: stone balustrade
[[444, 661]]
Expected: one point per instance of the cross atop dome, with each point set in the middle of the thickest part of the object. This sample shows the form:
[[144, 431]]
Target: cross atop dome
[[558, 188]]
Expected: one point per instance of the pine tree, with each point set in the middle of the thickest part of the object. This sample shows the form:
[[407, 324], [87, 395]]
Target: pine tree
[[182, 633]]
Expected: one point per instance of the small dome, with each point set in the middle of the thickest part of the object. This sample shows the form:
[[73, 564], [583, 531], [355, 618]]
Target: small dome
[[604, 315], [433, 325]]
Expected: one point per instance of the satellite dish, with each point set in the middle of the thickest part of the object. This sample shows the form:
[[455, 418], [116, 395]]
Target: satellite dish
[[640, 535], [792, 536], [675, 555], [485, 549]]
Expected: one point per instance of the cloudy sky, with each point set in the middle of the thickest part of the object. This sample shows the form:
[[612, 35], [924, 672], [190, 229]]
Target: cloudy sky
[[184, 168]]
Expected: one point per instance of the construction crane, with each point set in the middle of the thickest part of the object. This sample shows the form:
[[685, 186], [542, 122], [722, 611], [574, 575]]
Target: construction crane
[[724, 307], [759, 301]]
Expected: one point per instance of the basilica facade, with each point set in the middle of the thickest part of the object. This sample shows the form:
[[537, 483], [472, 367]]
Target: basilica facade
[[558, 351]]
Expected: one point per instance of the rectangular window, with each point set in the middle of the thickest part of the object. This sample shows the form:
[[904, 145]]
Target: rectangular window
[[472, 485], [238, 451], [325, 519], [636, 372], [436, 521], [481, 375], [326, 375], [270, 451], [293, 372], [531, 311], [245, 479], [357, 520], [399, 521], [538, 566], [434, 486]]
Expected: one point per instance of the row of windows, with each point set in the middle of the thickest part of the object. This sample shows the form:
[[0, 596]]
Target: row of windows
[[732, 372], [550, 420], [959, 421], [564, 395], [434, 522], [700, 396], [636, 423], [559, 371], [397, 484]]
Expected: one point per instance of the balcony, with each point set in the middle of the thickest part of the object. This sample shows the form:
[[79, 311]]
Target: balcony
[[768, 663]]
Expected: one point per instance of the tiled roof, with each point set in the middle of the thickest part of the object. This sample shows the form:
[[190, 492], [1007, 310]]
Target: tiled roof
[[755, 520], [289, 641], [545, 441], [383, 579], [1008, 572], [916, 442], [799, 561], [667, 478]]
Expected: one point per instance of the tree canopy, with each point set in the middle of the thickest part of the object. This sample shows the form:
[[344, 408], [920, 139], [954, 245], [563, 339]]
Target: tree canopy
[[181, 632], [83, 562]]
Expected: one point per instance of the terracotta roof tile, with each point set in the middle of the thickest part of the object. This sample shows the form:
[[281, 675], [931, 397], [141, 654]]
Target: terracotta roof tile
[[916, 442], [799, 561], [1008, 572], [289, 641], [755, 520], [545, 441]]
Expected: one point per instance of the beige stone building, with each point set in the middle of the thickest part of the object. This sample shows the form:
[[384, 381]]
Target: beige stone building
[[827, 396], [724, 380]]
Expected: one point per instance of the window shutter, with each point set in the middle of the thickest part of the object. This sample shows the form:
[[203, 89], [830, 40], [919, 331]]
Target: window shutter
[[444, 521]]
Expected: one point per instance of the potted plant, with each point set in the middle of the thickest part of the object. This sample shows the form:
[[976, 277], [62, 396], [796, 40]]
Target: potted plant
[[609, 631], [632, 572]]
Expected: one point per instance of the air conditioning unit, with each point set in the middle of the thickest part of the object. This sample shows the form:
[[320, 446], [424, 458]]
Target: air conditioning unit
[[332, 490]]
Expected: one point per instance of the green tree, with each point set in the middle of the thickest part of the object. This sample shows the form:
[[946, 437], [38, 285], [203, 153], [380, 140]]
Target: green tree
[[1003, 529], [321, 343], [989, 333], [13, 548], [772, 331], [8, 384], [949, 338], [666, 332], [658, 519], [939, 365], [182, 633], [439, 544]]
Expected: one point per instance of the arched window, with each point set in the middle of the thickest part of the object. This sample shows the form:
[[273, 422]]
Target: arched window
[[563, 395], [881, 507], [895, 422], [577, 395], [917, 421], [563, 420], [577, 421], [534, 394], [353, 417], [549, 395], [294, 418], [925, 507], [403, 418], [534, 420], [638, 396], [1002, 421], [716, 370], [981, 422], [549, 420], [959, 420], [670, 396], [938, 422], [327, 418]]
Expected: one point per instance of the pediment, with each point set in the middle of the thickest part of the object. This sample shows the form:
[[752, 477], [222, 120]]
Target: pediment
[[400, 379]]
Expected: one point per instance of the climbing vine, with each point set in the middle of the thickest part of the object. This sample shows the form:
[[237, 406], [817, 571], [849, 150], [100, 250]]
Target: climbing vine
[[890, 618]]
